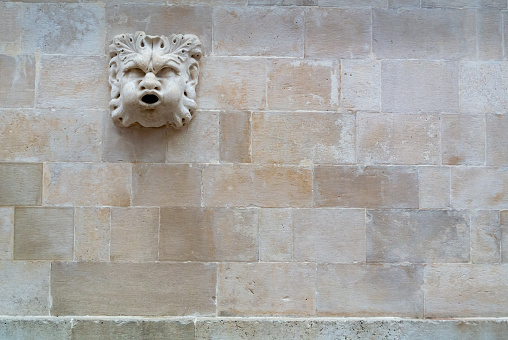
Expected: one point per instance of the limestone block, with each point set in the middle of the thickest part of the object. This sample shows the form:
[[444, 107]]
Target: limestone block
[[369, 290], [365, 187], [485, 237], [72, 81], [403, 4], [25, 288], [465, 290], [504, 235], [283, 2], [483, 87], [89, 184], [329, 235], [295, 84], [35, 329], [360, 84], [434, 184], [275, 235], [17, 88], [235, 137], [417, 236], [10, 31], [71, 29], [43, 233], [497, 139], [266, 289], [398, 138], [491, 4], [490, 34], [266, 186], [92, 227], [50, 135], [134, 234], [149, 289], [176, 185], [20, 184], [421, 86], [423, 34], [337, 33], [232, 83], [287, 138], [352, 3], [236, 31], [463, 140], [6, 233], [203, 234]]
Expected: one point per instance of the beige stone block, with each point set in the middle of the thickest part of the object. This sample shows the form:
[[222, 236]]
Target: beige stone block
[[176, 185], [329, 235], [6, 233], [463, 140], [369, 290], [44, 135], [291, 86], [43, 233], [20, 184], [197, 142], [365, 187], [232, 83], [465, 290], [504, 235], [235, 137], [493, 4], [403, 4], [17, 88], [398, 138], [283, 2], [72, 81], [485, 237], [483, 87], [497, 139], [71, 29], [210, 235], [337, 33], [490, 34], [93, 184], [266, 289], [134, 234], [25, 288], [423, 34], [92, 227], [35, 329], [421, 86], [10, 30], [479, 188], [434, 184], [147, 289], [236, 31], [275, 235], [285, 137], [360, 84], [417, 236], [352, 3], [266, 186]]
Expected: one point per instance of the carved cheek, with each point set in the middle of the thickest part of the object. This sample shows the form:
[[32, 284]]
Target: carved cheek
[[173, 89]]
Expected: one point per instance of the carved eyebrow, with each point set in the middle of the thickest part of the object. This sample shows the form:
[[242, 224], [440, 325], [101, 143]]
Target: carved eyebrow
[[171, 66], [132, 65]]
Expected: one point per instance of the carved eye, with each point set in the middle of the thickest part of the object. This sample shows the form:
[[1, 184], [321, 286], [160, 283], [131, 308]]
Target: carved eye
[[135, 72], [167, 72]]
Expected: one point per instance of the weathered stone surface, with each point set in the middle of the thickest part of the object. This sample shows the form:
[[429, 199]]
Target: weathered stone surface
[[423, 34], [403, 3], [235, 137], [134, 234], [365, 187], [17, 88], [148, 289], [463, 140], [236, 31], [504, 235], [266, 289], [360, 84], [166, 185], [398, 138], [275, 235], [92, 227], [329, 235], [472, 290], [434, 183], [93, 184], [485, 237], [6, 233], [10, 30], [490, 34], [25, 288], [20, 184], [419, 86], [302, 137], [35, 329], [352, 3], [497, 139], [417, 236], [493, 4], [44, 135], [257, 185], [197, 234], [43, 233], [369, 290], [283, 2], [295, 84]]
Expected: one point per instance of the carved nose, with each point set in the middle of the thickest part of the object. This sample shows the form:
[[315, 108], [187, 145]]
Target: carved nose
[[150, 82]]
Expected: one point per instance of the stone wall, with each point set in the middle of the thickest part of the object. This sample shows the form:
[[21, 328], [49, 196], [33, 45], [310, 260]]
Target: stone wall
[[349, 158]]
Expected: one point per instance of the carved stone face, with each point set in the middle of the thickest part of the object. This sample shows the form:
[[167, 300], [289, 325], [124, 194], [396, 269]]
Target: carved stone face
[[153, 79]]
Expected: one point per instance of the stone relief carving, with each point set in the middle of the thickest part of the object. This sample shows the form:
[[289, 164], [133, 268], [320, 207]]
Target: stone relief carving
[[153, 79]]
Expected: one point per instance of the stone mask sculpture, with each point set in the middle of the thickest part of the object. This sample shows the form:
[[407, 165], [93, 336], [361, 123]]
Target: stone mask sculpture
[[153, 79]]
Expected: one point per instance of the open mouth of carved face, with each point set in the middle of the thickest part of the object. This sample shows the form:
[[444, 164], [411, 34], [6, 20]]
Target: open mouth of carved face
[[150, 99]]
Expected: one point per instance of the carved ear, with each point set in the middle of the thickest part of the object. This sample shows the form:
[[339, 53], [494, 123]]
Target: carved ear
[[193, 74], [113, 72]]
